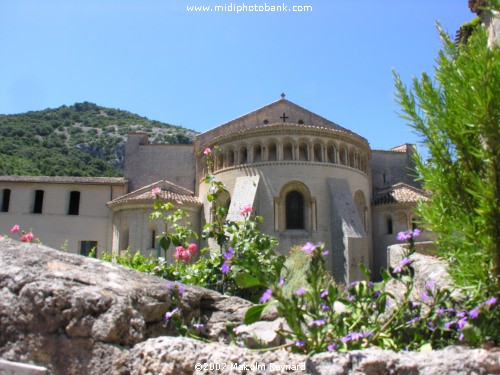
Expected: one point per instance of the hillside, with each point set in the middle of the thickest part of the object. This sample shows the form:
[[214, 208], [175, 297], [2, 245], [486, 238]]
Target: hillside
[[79, 140]]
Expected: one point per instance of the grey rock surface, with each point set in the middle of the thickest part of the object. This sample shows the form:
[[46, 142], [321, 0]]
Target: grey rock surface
[[75, 315]]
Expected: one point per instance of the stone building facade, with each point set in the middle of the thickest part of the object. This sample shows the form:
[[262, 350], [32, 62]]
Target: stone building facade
[[311, 180]]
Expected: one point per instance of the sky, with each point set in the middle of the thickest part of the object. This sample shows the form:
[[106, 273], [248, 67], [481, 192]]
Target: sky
[[200, 69]]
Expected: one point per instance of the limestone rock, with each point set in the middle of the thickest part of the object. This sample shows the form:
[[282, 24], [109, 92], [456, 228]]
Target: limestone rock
[[75, 315], [65, 311]]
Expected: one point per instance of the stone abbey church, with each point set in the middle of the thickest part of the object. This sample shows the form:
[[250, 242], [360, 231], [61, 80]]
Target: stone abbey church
[[311, 179]]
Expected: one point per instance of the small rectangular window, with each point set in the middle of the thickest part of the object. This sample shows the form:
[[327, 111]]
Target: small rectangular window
[[74, 203], [86, 247], [389, 226], [6, 200], [38, 206], [153, 239]]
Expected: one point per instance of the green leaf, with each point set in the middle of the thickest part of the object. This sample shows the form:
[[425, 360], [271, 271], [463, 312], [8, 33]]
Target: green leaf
[[165, 243], [245, 280], [425, 348], [254, 313]]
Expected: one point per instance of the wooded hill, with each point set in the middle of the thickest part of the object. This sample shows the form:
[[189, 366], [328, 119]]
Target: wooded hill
[[79, 140]]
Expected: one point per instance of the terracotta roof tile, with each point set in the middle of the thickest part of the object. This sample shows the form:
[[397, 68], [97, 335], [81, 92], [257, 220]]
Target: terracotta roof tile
[[65, 180], [169, 192], [399, 193]]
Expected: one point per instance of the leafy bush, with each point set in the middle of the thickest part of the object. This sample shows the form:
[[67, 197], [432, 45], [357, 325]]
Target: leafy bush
[[457, 116], [322, 316]]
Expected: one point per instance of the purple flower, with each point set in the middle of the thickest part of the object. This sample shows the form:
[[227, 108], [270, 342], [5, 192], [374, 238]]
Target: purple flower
[[448, 325], [281, 282], [324, 294], [169, 314], [299, 343], [351, 298], [198, 325], [425, 296], [229, 253], [491, 301], [416, 232], [325, 253], [403, 262], [441, 312], [367, 333], [353, 336], [415, 319], [474, 313], [227, 256], [332, 347], [325, 307], [265, 297], [308, 248], [301, 291], [461, 324], [318, 323], [461, 337], [354, 283], [403, 236]]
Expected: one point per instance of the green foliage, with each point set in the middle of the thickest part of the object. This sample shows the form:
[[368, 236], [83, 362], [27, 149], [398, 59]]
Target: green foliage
[[80, 140], [323, 316], [243, 265], [457, 116]]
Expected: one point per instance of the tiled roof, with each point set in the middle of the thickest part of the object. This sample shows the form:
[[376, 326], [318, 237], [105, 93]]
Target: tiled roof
[[399, 193], [169, 192], [65, 180]]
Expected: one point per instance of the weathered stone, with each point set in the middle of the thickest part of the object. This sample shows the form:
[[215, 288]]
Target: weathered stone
[[261, 334], [60, 309], [76, 315]]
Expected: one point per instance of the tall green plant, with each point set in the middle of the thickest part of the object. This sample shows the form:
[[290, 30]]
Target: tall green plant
[[457, 116]]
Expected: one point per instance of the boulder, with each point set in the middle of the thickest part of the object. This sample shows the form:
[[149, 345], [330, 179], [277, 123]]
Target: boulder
[[75, 315]]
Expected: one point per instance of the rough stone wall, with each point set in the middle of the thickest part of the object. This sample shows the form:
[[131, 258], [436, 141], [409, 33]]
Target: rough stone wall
[[395, 165], [146, 163]]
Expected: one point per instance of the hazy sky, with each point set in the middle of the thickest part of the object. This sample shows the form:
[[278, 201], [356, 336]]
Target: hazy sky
[[201, 69]]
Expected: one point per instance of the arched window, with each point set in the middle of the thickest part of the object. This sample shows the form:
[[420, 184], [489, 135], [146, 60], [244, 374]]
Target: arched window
[[272, 154], [294, 210], [318, 152], [243, 155], [287, 151], [230, 158], [303, 152], [389, 226], [257, 153], [331, 154]]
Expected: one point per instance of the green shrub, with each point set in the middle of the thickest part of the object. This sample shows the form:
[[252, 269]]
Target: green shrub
[[457, 116]]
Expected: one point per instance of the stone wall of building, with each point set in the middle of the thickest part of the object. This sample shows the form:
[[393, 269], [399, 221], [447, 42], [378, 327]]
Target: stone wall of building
[[393, 166], [54, 226], [147, 163]]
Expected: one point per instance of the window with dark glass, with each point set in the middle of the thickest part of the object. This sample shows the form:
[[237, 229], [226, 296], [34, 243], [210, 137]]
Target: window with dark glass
[[294, 202], [6, 200], [74, 203], [389, 226], [153, 239], [86, 247], [38, 205]]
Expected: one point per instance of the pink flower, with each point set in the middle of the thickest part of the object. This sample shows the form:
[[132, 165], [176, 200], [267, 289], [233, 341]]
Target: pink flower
[[246, 209], [207, 151], [192, 248], [28, 237], [182, 254], [155, 191], [15, 229]]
